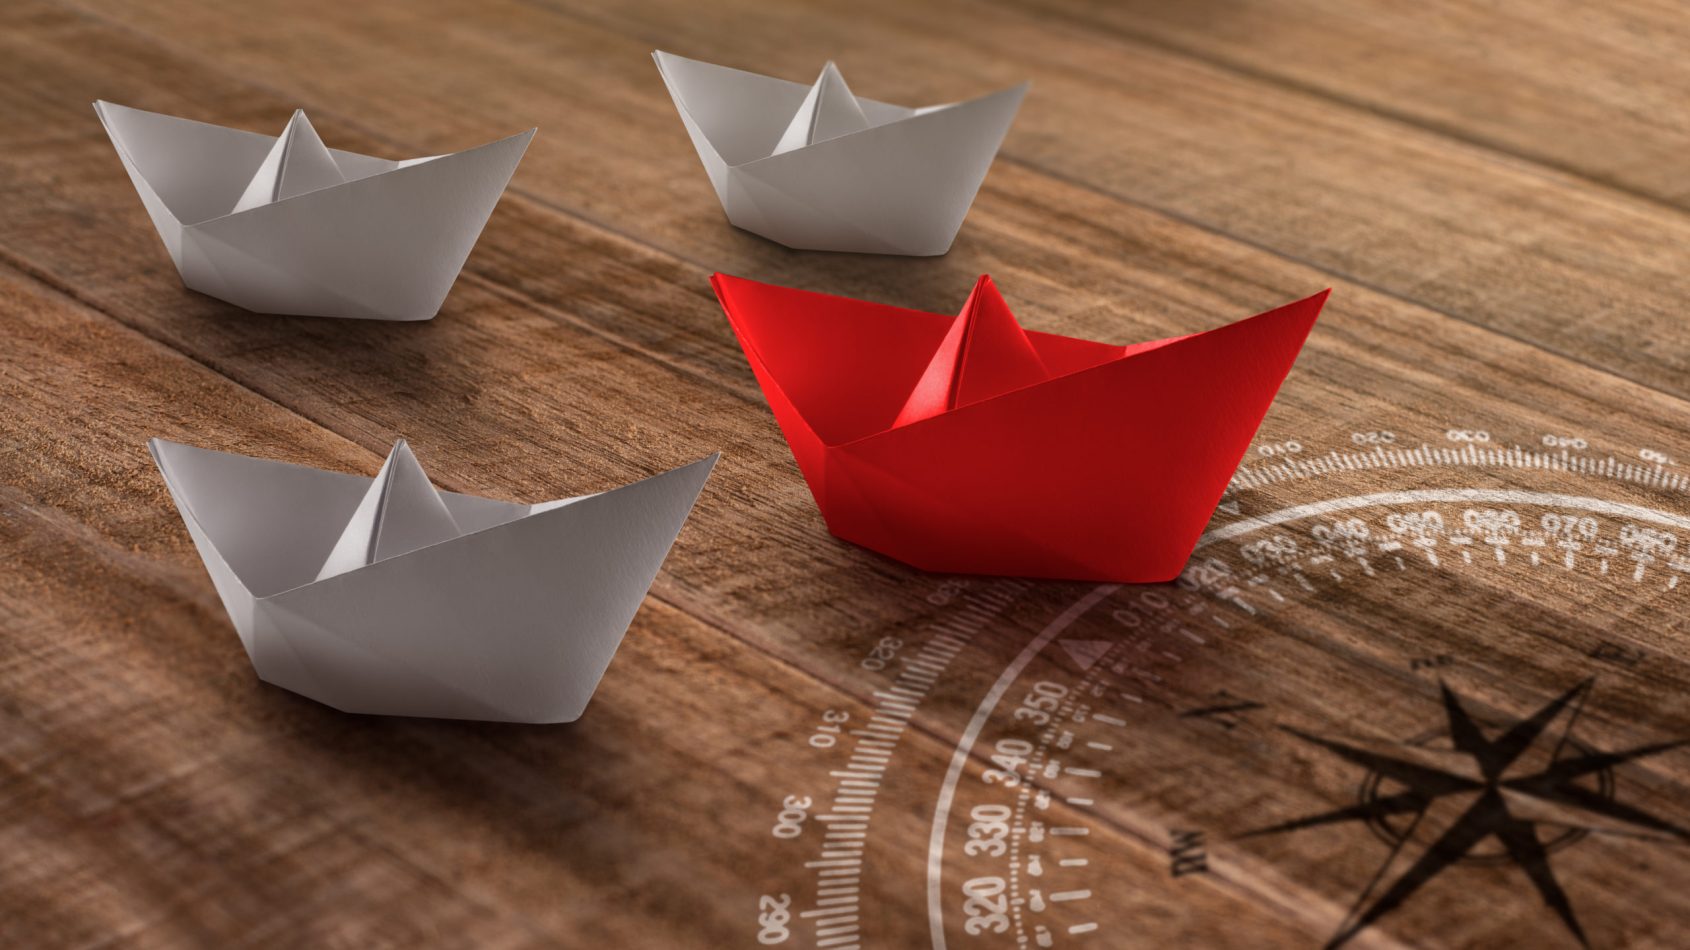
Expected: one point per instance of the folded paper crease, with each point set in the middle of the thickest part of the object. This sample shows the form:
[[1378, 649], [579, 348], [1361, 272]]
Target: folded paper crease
[[967, 444], [385, 595], [817, 167], [285, 224]]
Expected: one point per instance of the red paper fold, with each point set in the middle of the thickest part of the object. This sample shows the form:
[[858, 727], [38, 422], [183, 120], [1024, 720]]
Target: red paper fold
[[965, 444]]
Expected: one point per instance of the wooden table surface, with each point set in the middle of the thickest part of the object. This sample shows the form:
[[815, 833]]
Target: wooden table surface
[[1469, 501]]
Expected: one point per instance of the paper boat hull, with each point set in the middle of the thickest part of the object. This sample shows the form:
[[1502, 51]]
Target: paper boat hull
[[385, 245], [1109, 473], [902, 186], [515, 621]]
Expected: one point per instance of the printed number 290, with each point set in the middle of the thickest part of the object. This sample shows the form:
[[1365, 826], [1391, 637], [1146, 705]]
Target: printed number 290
[[772, 918]]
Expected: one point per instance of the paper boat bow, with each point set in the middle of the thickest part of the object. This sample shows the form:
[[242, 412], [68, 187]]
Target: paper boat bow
[[386, 596], [965, 444], [817, 168], [285, 224]]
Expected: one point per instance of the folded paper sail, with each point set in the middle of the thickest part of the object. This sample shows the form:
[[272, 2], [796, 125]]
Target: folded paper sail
[[284, 224], [817, 168], [966, 444], [387, 596]]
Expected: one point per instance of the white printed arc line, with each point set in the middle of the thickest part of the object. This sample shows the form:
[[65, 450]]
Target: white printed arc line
[[1012, 672], [947, 791], [1506, 496]]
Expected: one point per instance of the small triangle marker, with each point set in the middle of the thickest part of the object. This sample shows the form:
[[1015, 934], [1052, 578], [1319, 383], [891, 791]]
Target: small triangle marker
[[1086, 653]]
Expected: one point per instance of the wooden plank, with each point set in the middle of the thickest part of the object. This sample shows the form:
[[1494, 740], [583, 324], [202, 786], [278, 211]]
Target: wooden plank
[[297, 362], [250, 803], [395, 825], [1580, 270], [578, 381], [251, 815], [244, 814], [1594, 90]]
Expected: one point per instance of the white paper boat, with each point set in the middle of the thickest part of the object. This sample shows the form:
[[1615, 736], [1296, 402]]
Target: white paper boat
[[818, 168], [387, 596], [283, 224]]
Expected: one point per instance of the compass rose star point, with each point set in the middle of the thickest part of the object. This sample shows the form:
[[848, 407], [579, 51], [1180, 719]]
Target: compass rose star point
[[1507, 785]]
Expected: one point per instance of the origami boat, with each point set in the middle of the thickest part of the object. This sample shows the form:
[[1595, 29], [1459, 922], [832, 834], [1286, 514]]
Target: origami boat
[[386, 596], [285, 224], [815, 167], [965, 444]]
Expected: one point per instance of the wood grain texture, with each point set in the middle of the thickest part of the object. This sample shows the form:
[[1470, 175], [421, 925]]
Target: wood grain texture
[[1490, 269], [1592, 90], [1586, 271]]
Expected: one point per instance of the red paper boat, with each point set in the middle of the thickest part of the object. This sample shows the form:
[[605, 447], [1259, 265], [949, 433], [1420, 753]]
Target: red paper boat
[[966, 444]]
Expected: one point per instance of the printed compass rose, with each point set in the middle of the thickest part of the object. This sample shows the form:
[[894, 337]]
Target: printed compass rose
[[1461, 795]]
